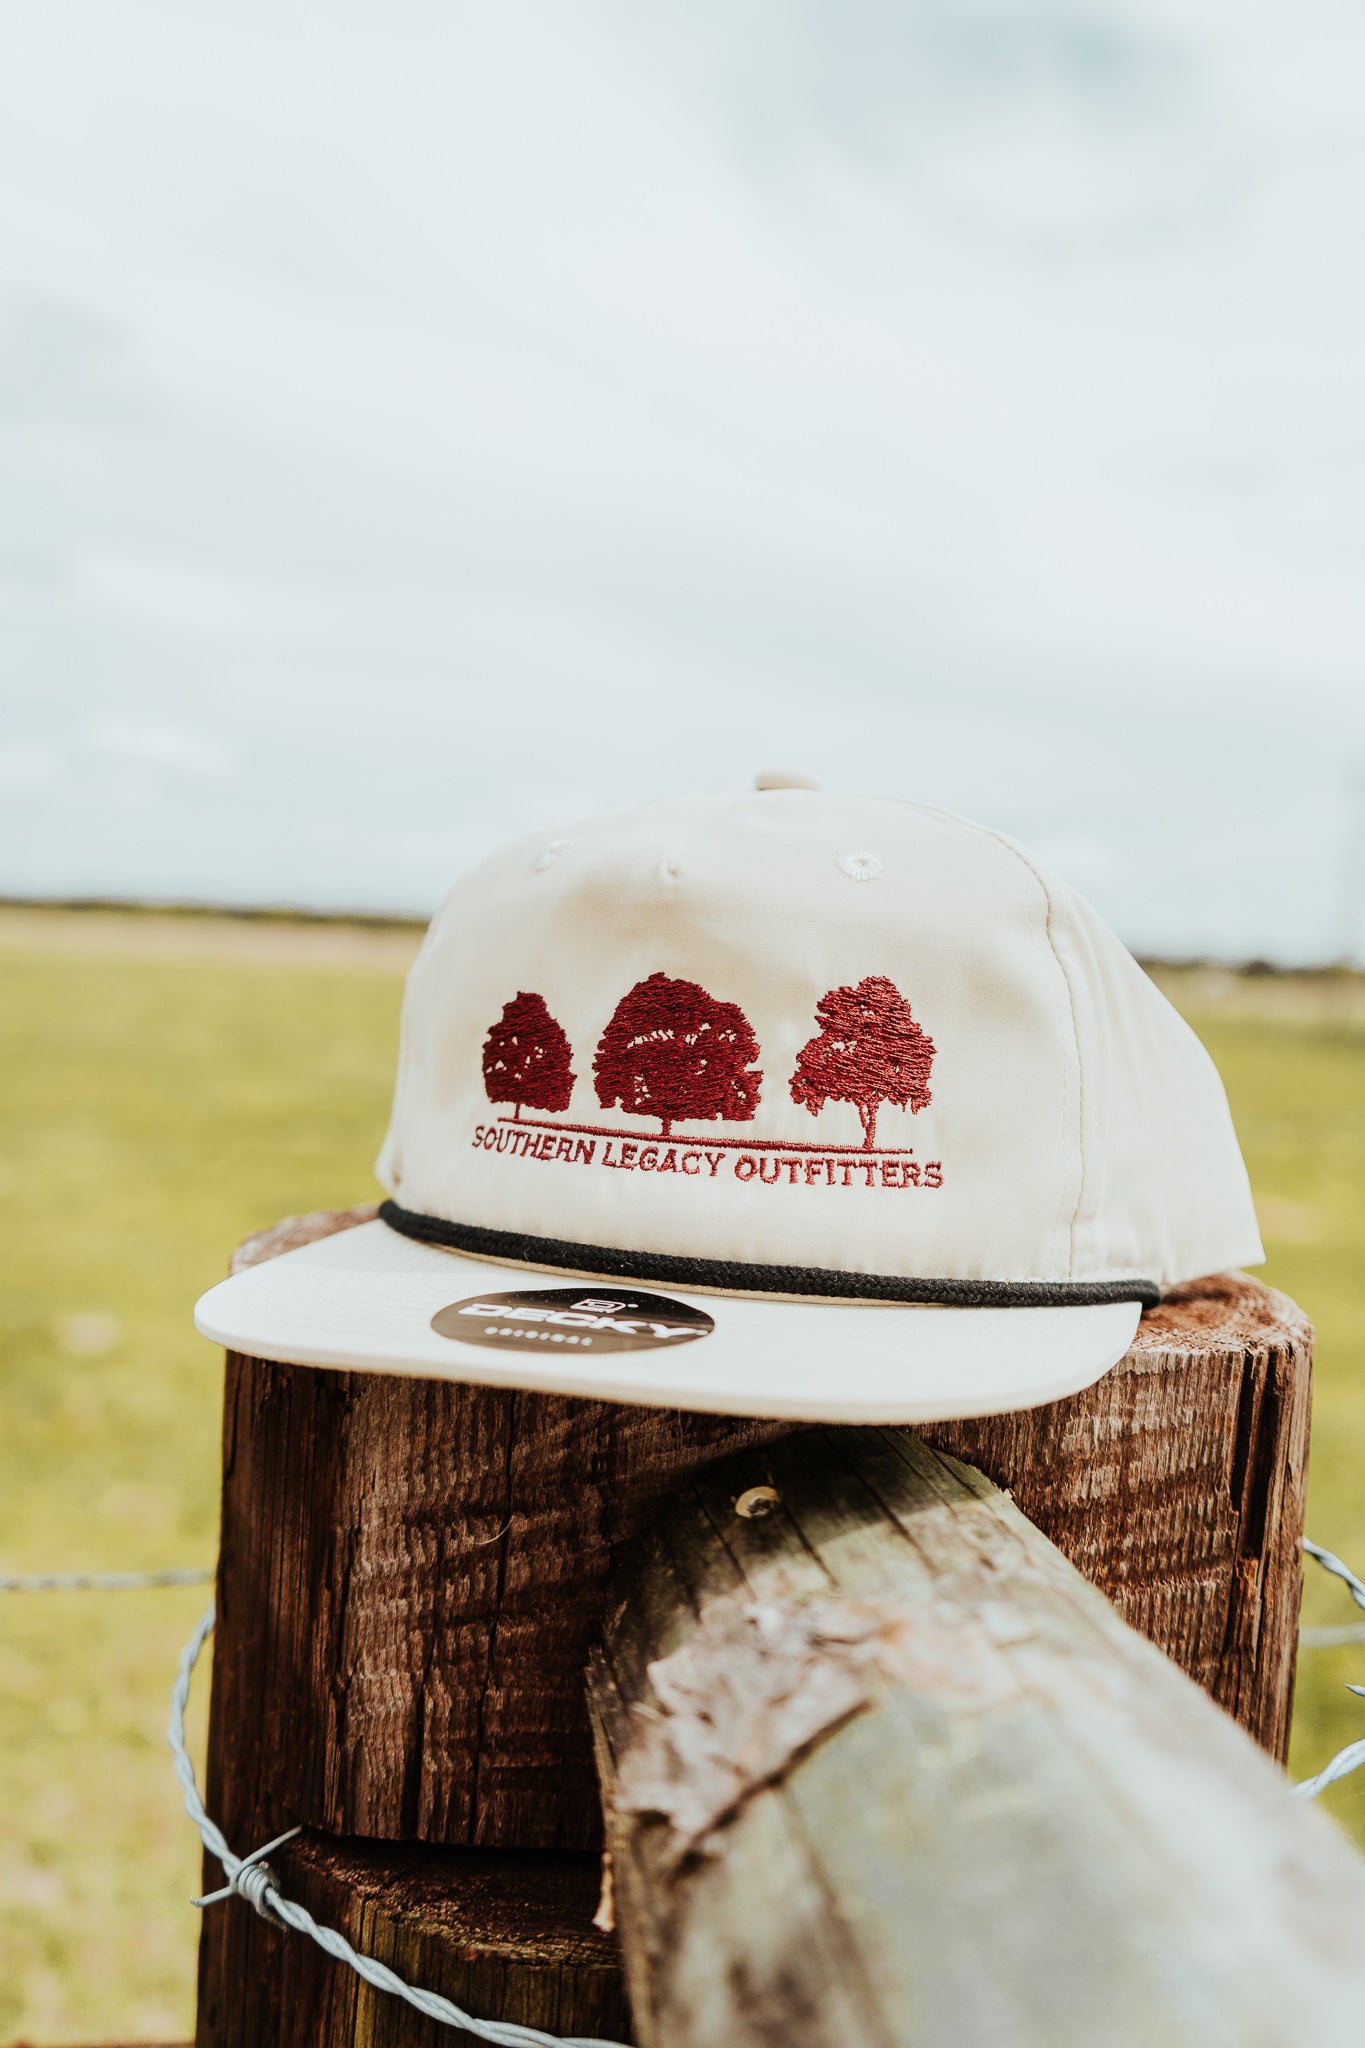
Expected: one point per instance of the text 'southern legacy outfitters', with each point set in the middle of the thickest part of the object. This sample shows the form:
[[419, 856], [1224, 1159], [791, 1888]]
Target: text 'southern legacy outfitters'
[[768, 1165]]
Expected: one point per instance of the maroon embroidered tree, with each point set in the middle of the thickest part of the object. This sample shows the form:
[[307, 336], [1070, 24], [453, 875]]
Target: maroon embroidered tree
[[674, 1052], [869, 1051], [526, 1057]]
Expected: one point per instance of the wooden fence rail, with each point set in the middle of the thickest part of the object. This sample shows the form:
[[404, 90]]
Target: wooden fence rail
[[881, 1768]]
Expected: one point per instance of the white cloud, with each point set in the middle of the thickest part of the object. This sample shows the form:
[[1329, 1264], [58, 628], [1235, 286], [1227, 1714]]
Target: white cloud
[[165, 749], [1084, 859], [467, 416], [25, 766]]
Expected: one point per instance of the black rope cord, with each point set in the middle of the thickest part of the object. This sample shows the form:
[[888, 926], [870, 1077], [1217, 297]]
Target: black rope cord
[[736, 1276]]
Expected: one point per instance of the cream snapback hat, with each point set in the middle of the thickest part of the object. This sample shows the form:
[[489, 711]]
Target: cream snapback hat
[[780, 1104]]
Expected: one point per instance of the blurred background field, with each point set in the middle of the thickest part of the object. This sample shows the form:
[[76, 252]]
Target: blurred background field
[[169, 1083]]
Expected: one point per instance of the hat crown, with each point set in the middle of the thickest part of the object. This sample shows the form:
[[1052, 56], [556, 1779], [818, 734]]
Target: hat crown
[[804, 1033]]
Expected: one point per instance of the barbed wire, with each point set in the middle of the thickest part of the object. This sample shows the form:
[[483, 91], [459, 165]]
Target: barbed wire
[[1340, 1632], [252, 1878], [1332, 1638], [1343, 1763], [1353, 1755], [101, 1582], [1330, 1562]]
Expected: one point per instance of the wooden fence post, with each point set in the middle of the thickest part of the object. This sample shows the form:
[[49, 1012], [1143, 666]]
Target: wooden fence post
[[882, 1768], [412, 1573], [1178, 1485], [410, 1577]]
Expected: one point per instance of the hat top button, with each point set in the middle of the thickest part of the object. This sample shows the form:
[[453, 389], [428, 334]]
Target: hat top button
[[785, 778]]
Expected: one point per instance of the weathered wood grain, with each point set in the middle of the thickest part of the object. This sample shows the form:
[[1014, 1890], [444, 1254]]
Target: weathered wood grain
[[883, 1769], [505, 1935], [410, 1576], [1178, 1484]]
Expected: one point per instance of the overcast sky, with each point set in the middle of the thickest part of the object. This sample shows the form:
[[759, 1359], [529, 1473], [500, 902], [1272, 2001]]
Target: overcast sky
[[422, 422]]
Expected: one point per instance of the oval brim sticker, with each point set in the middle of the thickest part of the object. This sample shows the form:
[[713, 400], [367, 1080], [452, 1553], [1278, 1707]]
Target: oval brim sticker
[[572, 1320]]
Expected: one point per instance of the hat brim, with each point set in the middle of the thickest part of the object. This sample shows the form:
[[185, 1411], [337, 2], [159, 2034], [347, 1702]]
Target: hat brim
[[363, 1300]]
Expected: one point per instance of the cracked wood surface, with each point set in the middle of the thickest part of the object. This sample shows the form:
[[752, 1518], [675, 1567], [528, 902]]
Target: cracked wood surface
[[1018, 1827], [1177, 1484]]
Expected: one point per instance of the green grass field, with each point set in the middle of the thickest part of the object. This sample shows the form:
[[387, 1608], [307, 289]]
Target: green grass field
[[166, 1086]]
